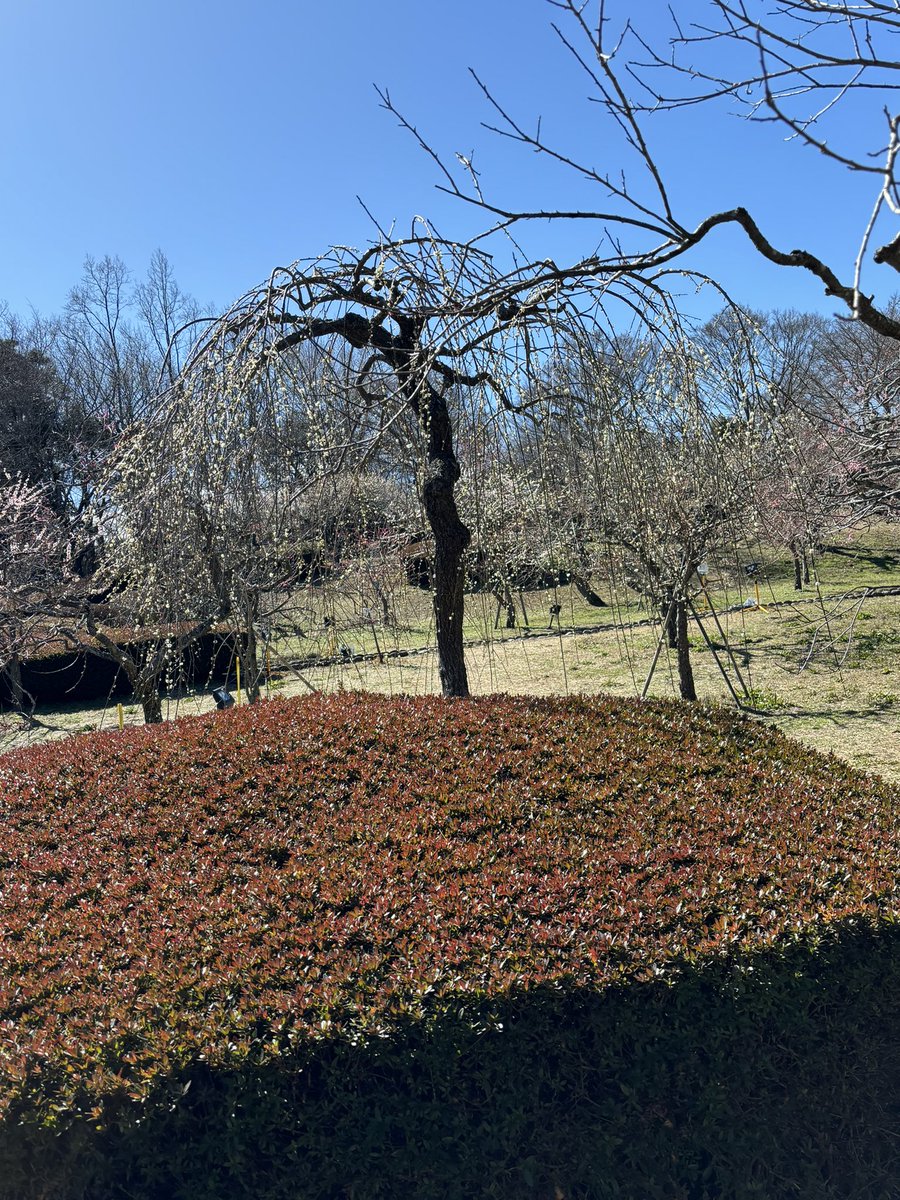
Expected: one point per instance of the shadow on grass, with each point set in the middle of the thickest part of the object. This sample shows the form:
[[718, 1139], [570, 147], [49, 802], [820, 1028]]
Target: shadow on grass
[[884, 560], [840, 718], [783, 1081]]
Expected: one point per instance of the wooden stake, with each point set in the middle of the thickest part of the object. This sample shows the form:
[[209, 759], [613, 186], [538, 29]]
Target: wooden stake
[[726, 643], [524, 613], [377, 647], [715, 655], [659, 646]]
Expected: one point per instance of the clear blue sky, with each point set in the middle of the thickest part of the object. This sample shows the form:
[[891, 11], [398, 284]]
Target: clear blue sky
[[237, 137]]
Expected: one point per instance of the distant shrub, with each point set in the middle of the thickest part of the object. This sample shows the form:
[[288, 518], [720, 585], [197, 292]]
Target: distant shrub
[[359, 946]]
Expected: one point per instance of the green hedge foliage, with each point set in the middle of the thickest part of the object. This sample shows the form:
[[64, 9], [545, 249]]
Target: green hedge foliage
[[354, 946]]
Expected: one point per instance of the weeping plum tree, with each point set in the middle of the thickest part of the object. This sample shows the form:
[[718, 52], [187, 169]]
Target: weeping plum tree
[[151, 597], [312, 375], [35, 574], [329, 368]]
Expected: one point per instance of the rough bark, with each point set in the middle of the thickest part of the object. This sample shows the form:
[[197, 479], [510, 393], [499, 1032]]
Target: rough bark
[[13, 672], [504, 598], [451, 535], [685, 671], [248, 653], [669, 616], [798, 568], [147, 695]]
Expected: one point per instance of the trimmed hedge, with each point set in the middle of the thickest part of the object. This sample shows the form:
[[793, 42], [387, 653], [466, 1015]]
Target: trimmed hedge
[[359, 946], [59, 676]]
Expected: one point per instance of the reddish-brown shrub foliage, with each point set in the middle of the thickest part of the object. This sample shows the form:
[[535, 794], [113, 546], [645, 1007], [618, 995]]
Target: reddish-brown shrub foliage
[[219, 889]]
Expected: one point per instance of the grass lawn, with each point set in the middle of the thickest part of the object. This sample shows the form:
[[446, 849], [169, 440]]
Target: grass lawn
[[823, 670]]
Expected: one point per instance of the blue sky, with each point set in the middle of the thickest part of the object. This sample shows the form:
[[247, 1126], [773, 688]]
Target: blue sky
[[237, 137]]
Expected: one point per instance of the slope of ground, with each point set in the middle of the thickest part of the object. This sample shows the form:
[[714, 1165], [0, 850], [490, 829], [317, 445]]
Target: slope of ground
[[823, 669], [355, 946]]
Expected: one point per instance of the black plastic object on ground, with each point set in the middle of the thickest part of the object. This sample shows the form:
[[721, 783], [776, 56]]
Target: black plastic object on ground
[[223, 698]]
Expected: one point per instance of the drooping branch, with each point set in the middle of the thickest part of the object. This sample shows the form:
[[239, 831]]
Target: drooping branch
[[795, 55]]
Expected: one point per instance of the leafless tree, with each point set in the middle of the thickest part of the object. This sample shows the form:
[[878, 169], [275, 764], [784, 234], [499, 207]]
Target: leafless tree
[[410, 331], [793, 62], [168, 315], [860, 371], [100, 361], [660, 469], [35, 575]]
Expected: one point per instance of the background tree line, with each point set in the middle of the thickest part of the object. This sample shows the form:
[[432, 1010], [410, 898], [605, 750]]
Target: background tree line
[[163, 494], [566, 409]]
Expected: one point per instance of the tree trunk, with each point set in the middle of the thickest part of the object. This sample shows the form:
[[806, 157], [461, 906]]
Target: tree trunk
[[382, 597], [247, 645], [144, 665], [451, 537], [504, 598], [685, 672], [805, 556], [669, 616], [248, 653], [143, 674], [13, 670], [147, 695], [798, 568]]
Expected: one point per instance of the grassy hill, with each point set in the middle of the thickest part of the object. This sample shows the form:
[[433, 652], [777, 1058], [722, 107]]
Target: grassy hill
[[821, 667]]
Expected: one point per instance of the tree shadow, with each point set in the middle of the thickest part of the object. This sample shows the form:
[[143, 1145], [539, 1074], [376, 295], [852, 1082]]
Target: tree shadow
[[736, 649], [778, 1079], [884, 560], [840, 718]]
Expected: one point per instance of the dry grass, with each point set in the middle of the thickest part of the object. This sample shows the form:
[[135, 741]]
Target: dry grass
[[843, 698], [852, 712]]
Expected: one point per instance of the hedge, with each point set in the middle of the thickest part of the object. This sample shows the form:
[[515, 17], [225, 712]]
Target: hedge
[[61, 676], [360, 946]]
